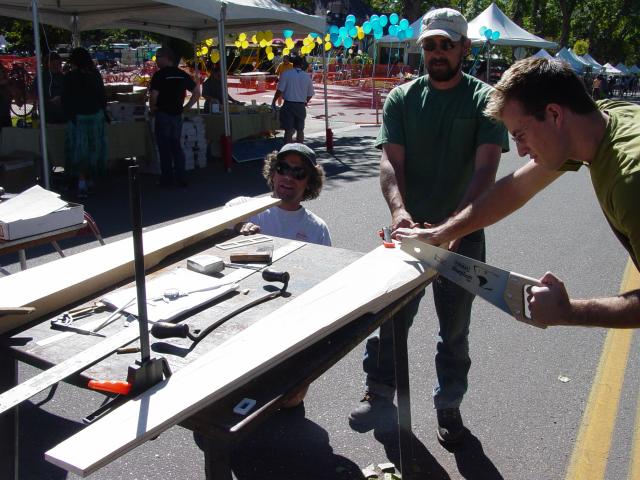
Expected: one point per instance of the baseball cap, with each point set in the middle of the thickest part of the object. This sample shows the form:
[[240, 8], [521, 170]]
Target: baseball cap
[[301, 150], [447, 22]]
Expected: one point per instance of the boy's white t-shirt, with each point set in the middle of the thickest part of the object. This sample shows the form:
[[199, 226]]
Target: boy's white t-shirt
[[300, 224]]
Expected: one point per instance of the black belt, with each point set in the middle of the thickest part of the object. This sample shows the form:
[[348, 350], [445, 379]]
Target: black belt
[[289, 101]]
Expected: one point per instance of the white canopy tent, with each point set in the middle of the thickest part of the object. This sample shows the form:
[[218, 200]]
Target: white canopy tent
[[589, 59], [190, 20], [542, 53], [634, 69], [572, 59], [510, 33], [611, 70]]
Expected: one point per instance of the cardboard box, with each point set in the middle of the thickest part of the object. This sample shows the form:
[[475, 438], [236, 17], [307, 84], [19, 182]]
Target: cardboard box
[[18, 171], [72, 214]]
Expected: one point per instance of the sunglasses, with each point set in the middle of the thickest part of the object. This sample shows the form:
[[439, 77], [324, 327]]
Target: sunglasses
[[445, 45], [297, 173]]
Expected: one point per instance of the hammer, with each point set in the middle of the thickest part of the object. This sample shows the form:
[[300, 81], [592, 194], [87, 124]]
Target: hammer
[[170, 330]]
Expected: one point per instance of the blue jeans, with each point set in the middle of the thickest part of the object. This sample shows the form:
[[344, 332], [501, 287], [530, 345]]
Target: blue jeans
[[453, 306], [168, 131]]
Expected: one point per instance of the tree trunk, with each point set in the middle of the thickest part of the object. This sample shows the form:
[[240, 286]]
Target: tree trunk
[[566, 7], [411, 10]]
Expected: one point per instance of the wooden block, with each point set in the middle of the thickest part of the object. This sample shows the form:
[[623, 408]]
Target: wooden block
[[366, 286], [64, 281], [246, 257]]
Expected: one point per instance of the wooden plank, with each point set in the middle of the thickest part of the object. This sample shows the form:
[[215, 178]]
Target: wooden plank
[[61, 282], [366, 286], [104, 348]]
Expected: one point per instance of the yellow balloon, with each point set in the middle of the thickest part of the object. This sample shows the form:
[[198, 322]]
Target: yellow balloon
[[270, 56], [360, 34], [242, 37], [319, 40], [153, 58], [215, 56], [204, 50], [209, 42], [327, 37], [289, 43], [254, 39], [238, 43], [268, 35], [327, 46], [259, 37], [285, 51], [263, 43], [269, 49], [245, 44]]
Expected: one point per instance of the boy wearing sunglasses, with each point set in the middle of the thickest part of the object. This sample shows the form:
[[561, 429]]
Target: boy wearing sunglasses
[[439, 152]]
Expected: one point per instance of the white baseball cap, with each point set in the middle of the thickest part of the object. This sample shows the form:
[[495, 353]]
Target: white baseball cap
[[446, 22]]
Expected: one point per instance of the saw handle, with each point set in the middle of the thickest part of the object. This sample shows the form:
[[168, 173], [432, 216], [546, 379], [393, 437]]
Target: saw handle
[[514, 296]]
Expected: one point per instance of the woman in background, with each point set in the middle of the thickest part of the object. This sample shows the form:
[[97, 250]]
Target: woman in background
[[84, 102]]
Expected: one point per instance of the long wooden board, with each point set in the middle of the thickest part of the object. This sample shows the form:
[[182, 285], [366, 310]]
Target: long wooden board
[[366, 286], [61, 282], [101, 350]]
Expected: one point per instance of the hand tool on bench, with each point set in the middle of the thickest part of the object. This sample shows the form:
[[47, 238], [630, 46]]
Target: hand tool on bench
[[501, 288], [170, 330], [65, 324], [85, 358], [16, 310]]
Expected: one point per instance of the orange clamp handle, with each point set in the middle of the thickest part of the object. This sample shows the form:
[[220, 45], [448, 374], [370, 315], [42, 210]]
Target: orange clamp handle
[[113, 386]]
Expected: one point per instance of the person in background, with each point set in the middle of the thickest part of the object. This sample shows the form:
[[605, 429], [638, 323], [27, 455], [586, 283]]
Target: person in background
[[296, 87], [52, 82], [5, 98], [168, 89], [284, 65], [212, 89], [84, 102]]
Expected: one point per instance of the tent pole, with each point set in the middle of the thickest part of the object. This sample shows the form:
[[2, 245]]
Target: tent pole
[[43, 123], [225, 140], [488, 62], [75, 34], [195, 64], [329, 133]]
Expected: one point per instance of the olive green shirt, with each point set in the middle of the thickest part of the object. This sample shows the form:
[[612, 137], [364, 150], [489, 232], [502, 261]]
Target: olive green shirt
[[615, 173], [441, 131]]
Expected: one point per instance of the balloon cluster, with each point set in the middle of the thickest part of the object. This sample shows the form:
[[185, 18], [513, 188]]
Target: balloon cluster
[[263, 39], [375, 26], [207, 48], [489, 34]]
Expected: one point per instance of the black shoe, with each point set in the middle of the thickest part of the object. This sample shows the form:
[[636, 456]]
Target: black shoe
[[450, 428], [372, 409]]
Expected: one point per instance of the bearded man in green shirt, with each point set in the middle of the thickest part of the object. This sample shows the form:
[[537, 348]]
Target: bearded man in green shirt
[[553, 119], [439, 152]]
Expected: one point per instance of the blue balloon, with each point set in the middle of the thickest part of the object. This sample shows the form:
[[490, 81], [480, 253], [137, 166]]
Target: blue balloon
[[337, 42], [351, 18], [404, 24], [487, 33], [402, 34], [334, 29], [393, 30], [287, 33], [374, 18], [383, 20], [393, 18], [314, 35], [353, 32], [482, 30], [334, 37], [408, 33], [375, 24], [366, 27], [349, 24], [495, 35], [348, 42], [475, 51], [377, 34], [343, 32]]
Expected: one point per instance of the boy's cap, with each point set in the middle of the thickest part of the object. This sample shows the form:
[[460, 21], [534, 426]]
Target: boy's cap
[[301, 150], [446, 22]]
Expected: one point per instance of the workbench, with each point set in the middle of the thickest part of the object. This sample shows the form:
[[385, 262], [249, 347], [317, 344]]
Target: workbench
[[217, 423]]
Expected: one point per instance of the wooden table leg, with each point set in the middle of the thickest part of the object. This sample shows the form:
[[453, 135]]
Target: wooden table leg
[[8, 421], [401, 359]]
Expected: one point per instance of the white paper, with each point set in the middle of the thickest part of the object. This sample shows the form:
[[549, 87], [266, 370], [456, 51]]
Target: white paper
[[186, 282], [32, 203]]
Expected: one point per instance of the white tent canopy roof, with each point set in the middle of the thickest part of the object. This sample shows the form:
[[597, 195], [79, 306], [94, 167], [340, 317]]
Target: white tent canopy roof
[[572, 59], [187, 19], [634, 69], [542, 53], [611, 70], [510, 33], [623, 68], [589, 59]]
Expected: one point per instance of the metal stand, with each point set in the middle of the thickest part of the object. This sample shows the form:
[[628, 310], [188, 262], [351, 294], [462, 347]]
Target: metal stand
[[401, 360], [9, 421]]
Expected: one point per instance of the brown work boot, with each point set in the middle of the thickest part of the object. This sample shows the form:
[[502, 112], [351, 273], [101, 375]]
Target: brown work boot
[[372, 410], [451, 430]]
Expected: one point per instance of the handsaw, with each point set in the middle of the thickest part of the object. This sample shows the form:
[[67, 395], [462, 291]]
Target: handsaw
[[501, 288]]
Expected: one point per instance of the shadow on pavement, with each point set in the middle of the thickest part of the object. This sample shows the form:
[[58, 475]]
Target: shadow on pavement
[[52, 430], [472, 462], [288, 445]]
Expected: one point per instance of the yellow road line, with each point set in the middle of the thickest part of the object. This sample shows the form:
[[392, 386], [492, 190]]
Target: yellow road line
[[591, 452]]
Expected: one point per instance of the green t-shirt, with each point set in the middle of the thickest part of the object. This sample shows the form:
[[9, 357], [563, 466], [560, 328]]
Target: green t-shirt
[[440, 130], [615, 173]]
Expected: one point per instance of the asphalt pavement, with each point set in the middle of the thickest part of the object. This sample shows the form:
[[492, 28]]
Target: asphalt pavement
[[529, 389]]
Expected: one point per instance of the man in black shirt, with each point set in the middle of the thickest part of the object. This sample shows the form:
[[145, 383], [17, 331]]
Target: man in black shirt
[[168, 90]]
